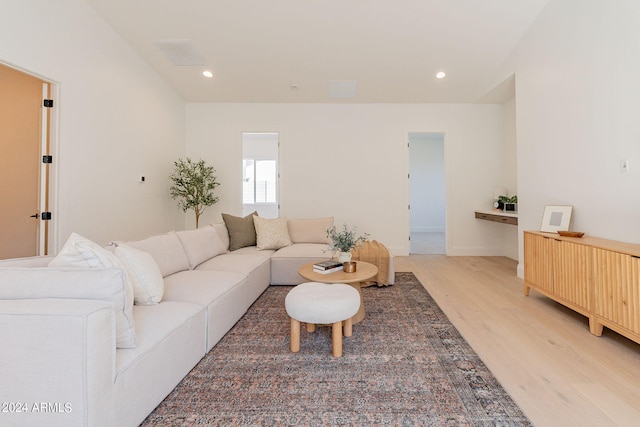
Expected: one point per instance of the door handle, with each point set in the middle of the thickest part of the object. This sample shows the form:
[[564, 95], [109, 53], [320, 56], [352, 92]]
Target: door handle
[[35, 216]]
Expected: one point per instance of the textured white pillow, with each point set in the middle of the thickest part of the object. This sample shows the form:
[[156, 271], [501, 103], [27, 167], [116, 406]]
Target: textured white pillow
[[79, 252], [148, 284], [83, 253], [271, 233]]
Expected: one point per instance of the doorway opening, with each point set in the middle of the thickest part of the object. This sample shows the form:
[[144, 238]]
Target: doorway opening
[[260, 173], [427, 196], [26, 129]]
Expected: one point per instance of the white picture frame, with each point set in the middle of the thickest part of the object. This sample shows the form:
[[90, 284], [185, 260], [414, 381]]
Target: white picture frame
[[556, 218]]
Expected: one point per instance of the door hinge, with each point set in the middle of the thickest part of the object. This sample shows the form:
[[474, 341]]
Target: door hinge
[[47, 159], [48, 103], [46, 216]]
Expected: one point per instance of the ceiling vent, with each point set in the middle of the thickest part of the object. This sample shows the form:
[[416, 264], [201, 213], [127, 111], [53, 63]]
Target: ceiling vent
[[342, 88], [181, 52]]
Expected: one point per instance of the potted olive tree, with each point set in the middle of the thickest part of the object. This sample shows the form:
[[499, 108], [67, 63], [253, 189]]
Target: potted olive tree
[[193, 184]]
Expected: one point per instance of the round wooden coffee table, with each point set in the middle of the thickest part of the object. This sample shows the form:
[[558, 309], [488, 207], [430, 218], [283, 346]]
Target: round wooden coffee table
[[364, 271]]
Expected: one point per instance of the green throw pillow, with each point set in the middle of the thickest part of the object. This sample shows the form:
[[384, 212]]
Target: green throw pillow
[[242, 231]]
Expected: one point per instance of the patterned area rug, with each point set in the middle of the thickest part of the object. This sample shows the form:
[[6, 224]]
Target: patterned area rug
[[405, 364]]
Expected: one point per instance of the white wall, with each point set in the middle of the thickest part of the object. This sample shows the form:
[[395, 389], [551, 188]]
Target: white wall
[[117, 119], [577, 90], [351, 162], [427, 182], [510, 233]]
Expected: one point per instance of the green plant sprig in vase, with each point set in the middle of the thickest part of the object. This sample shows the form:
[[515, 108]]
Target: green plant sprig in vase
[[345, 240]]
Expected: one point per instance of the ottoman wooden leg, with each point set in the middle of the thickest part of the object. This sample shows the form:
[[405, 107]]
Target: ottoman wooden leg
[[295, 335], [348, 327], [311, 327], [336, 342]]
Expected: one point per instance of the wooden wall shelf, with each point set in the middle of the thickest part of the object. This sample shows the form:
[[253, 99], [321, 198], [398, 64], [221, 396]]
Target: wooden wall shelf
[[598, 278], [498, 216]]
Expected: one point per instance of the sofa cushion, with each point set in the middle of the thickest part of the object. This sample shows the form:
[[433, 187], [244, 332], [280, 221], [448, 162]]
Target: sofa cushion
[[201, 244], [242, 231], [171, 343], [199, 286], [32, 261], [105, 284], [223, 234], [271, 233], [223, 293], [253, 250], [286, 261], [303, 250], [240, 263], [166, 250], [309, 230], [148, 285], [155, 325]]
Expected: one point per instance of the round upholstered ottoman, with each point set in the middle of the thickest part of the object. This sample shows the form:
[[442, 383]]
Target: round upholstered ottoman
[[317, 303]]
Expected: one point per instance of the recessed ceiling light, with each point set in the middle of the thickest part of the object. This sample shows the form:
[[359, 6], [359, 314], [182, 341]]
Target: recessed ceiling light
[[208, 74], [441, 75]]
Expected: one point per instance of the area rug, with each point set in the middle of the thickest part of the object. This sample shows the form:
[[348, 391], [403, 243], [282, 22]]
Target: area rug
[[405, 364]]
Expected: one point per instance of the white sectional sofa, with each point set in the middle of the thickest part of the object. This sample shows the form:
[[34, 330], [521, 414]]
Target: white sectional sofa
[[65, 356]]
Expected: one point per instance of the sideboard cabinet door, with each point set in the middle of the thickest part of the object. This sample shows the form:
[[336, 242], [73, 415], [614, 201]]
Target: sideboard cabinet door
[[538, 263], [572, 273], [617, 290]]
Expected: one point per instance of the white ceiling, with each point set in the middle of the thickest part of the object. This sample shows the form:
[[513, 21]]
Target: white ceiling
[[258, 49]]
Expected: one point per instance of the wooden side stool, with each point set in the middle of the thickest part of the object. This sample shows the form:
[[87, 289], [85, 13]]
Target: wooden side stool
[[317, 303]]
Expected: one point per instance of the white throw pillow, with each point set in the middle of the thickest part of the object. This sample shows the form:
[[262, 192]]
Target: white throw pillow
[[148, 284], [79, 252], [271, 233], [105, 284], [83, 253]]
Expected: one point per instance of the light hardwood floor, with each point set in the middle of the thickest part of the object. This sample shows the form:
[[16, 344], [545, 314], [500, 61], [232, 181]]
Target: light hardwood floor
[[541, 352]]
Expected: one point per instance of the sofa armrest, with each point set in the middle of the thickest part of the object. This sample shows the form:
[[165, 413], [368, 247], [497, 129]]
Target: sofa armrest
[[57, 362]]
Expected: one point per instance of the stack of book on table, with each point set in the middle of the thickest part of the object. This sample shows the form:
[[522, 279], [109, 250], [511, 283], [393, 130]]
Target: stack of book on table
[[325, 267]]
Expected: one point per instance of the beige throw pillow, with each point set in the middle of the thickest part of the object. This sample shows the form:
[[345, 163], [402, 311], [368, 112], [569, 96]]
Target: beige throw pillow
[[242, 231], [271, 233]]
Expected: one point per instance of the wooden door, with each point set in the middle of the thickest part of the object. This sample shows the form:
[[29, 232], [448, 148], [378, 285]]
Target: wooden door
[[20, 162]]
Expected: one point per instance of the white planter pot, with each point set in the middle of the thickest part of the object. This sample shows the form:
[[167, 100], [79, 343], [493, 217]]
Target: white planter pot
[[344, 256]]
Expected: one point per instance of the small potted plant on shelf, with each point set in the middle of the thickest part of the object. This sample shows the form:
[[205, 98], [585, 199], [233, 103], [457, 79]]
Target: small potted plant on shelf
[[345, 240], [510, 203]]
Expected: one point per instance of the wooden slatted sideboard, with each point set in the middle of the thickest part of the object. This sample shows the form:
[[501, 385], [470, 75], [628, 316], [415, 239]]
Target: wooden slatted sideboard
[[598, 278]]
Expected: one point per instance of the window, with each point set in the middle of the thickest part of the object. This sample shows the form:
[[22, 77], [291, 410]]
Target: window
[[259, 181], [260, 173]]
